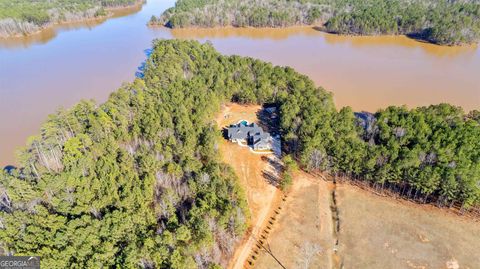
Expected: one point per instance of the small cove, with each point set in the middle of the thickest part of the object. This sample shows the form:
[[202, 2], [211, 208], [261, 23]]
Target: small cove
[[39, 74]]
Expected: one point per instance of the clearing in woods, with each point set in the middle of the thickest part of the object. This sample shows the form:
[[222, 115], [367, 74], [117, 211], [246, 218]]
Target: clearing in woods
[[302, 236], [252, 170], [381, 232], [374, 231]]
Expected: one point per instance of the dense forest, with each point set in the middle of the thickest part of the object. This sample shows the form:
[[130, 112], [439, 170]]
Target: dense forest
[[438, 21], [22, 17], [136, 181]]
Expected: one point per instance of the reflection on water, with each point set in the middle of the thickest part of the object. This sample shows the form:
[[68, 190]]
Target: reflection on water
[[364, 72], [49, 33], [89, 60], [400, 41], [354, 41], [252, 33]]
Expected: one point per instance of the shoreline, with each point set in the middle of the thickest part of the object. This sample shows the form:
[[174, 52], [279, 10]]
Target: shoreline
[[315, 27], [111, 13]]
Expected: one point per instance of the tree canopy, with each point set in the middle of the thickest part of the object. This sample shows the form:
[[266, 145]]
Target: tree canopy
[[443, 22], [137, 181], [26, 16]]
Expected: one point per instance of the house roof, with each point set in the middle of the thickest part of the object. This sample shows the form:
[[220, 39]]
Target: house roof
[[241, 131], [259, 137], [263, 142]]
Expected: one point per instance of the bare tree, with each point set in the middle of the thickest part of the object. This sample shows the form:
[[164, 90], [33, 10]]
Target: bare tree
[[308, 251]]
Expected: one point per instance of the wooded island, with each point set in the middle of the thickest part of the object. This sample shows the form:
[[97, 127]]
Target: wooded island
[[138, 181]]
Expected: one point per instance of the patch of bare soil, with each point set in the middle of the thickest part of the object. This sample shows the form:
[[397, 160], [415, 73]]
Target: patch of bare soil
[[380, 232], [232, 113], [301, 231], [302, 235], [257, 175]]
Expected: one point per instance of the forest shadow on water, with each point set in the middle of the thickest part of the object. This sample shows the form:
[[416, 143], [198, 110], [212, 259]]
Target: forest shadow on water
[[245, 32], [400, 41], [141, 68]]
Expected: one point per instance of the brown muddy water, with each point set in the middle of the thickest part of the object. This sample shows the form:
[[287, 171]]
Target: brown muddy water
[[67, 63]]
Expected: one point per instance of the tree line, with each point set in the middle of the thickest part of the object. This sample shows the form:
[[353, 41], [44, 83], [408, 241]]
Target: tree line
[[134, 182], [137, 181], [443, 22], [23, 17]]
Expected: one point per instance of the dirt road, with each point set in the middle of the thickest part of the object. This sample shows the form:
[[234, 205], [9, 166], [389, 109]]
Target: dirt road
[[252, 170]]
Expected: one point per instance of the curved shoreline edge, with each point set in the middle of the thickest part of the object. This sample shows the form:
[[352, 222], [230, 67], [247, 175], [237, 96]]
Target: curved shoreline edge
[[315, 27], [110, 13], [428, 21]]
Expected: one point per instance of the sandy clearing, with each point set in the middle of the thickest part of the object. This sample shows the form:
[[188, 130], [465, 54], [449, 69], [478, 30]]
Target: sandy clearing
[[251, 169], [375, 231]]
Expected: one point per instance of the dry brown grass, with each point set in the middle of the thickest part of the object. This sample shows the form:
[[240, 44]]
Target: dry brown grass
[[380, 232], [375, 232], [305, 219], [232, 113]]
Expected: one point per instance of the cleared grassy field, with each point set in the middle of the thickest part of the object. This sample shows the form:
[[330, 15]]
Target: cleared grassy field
[[375, 232], [302, 236], [380, 232]]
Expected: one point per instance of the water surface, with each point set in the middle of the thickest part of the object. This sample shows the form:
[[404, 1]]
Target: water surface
[[68, 63]]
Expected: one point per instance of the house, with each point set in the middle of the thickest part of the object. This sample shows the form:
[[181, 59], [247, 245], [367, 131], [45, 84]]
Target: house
[[252, 134]]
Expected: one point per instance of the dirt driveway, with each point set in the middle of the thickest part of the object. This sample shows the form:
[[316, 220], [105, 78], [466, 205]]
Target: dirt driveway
[[255, 172]]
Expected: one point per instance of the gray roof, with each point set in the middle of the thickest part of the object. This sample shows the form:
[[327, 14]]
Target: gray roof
[[240, 131], [253, 133], [259, 137], [260, 143]]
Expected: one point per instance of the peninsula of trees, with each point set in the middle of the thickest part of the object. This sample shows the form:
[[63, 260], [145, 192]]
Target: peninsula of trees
[[23, 17], [137, 181], [438, 21]]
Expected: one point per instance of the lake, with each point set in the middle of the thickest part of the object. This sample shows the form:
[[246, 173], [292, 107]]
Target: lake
[[67, 63]]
